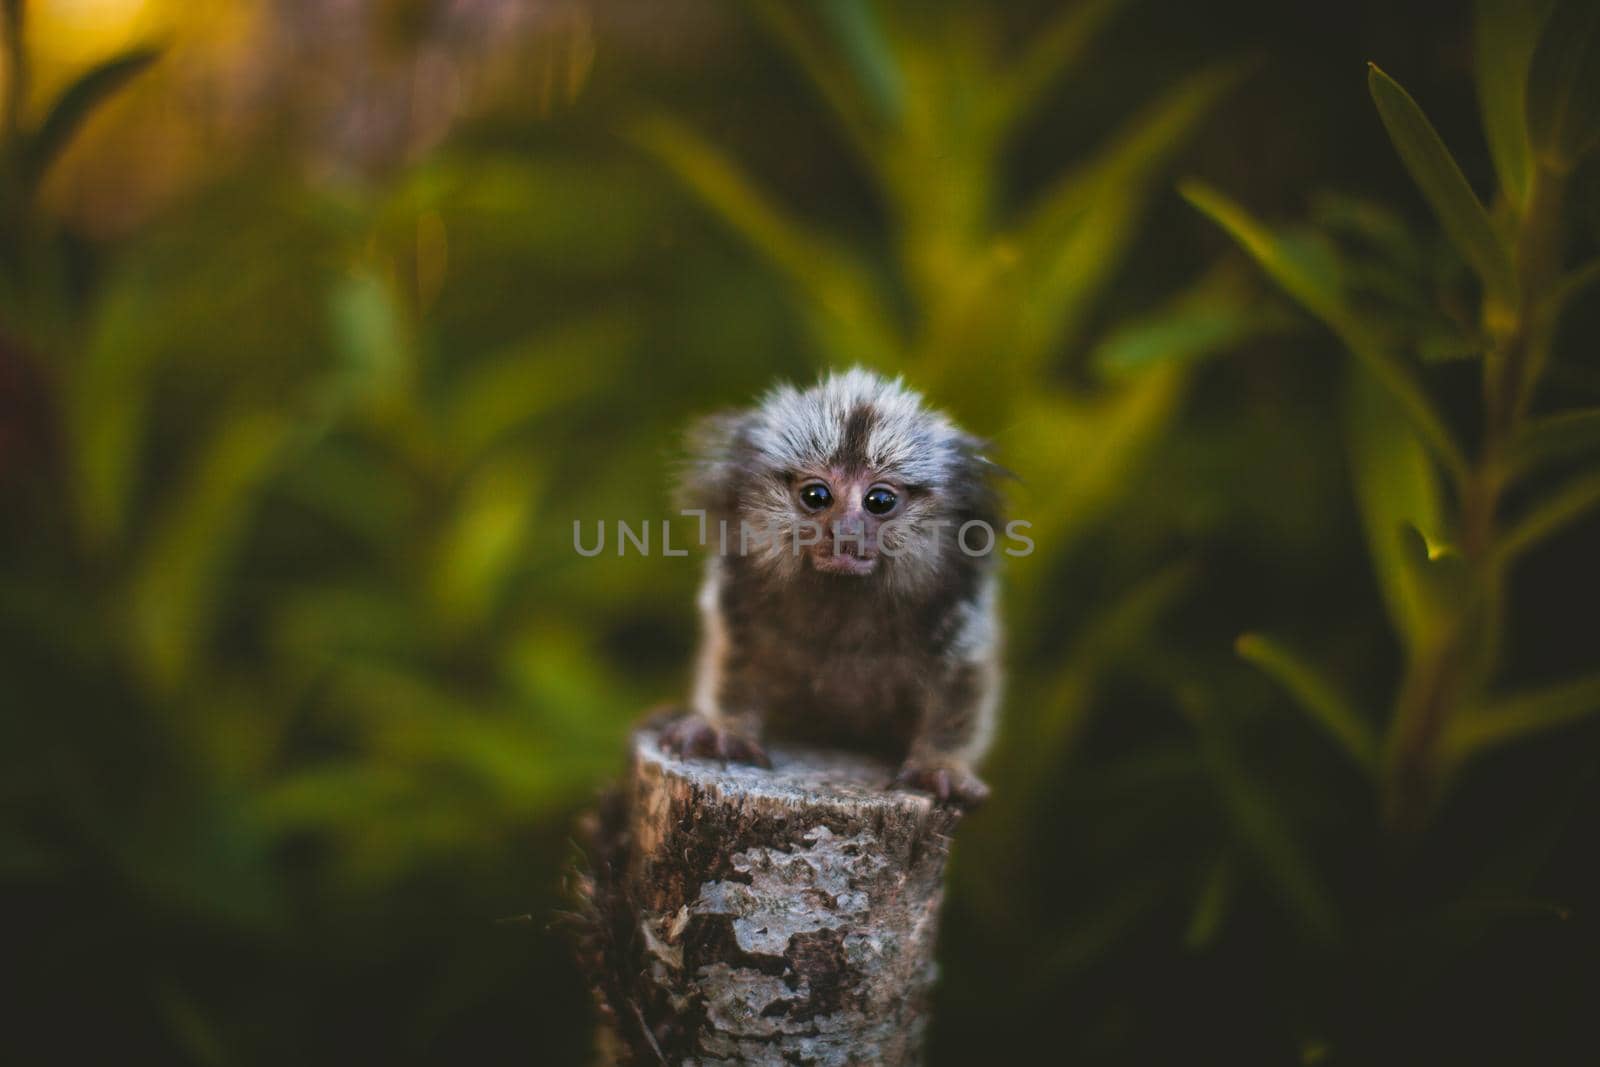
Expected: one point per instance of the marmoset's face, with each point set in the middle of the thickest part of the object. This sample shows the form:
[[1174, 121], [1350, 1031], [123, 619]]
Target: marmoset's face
[[853, 477], [847, 511]]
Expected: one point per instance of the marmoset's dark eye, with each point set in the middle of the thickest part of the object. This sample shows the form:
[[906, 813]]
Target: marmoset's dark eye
[[815, 496], [879, 501]]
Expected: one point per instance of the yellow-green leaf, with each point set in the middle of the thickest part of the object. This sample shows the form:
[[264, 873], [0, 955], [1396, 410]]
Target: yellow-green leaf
[[1397, 492], [835, 288], [1213, 315], [544, 374], [1211, 905], [841, 92], [1316, 695], [1073, 236], [1555, 437], [1547, 517], [1065, 701], [480, 542], [177, 580], [1564, 85], [1307, 271], [1080, 453], [1444, 186], [1512, 718], [1050, 53], [1504, 33], [1268, 838]]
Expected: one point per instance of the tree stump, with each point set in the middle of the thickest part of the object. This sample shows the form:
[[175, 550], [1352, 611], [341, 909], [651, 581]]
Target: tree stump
[[782, 916]]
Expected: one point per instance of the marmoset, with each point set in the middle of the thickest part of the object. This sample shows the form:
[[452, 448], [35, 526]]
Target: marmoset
[[850, 597]]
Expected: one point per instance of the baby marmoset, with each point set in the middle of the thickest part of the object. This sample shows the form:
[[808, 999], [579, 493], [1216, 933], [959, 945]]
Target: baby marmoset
[[850, 596]]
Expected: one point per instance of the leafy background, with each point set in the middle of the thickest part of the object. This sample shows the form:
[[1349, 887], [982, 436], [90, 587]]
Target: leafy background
[[321, 323]]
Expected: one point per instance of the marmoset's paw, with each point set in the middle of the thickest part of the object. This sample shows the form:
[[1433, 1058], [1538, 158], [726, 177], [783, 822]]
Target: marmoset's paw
[[695, 735], [950, 783]]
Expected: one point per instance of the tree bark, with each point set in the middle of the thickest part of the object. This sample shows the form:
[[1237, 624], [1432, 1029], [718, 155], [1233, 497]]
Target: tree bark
[[783, 916]]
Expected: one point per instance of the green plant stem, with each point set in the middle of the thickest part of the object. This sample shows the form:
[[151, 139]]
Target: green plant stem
[[1538, 257], [1426, 698], [1463, 654], [1511, 376]]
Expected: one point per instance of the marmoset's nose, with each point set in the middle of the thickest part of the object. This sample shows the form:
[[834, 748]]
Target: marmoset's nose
[[851, 535]]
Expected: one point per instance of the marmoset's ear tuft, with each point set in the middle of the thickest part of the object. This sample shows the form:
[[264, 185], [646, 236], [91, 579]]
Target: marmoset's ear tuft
[[716, 461], [974, 487]]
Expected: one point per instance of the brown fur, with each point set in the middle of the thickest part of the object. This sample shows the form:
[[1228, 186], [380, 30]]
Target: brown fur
[[899, 656]]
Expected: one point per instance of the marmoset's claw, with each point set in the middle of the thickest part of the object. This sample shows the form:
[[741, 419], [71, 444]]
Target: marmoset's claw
[[951, 785], [695, 735]]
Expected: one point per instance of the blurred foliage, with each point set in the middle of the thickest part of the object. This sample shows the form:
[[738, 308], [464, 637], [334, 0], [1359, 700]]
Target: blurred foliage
[[1444, 567], [303, 681]]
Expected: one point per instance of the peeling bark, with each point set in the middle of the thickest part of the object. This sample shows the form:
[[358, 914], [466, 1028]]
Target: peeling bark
[[783, 916]]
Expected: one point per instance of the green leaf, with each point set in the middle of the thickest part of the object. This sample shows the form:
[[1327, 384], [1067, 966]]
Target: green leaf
[[191, 1028], [1439, 177], [1564, 85], [1211, 906], [517, 755], [1564, 506], [1553, 438], [841, 92], [1109, 635], [370, 493], [1268, 838], [836, 289], [482, 538], [1085, 450], [1308, 271], [1051, 51], [1316, 695], [1504, 34], [177, 581], [1079, 945], [1446, 342], [544, 374], [77, 102], [322, 793], [1073, 236], [1397, 492], [376, 356], [1508, 719], [1568, 288], [1211, 316], [1350, 219], [1057, 287], [1179, 335], [1135, 155], [854, 25], [315, 627], [106, 451], [1437, 570]]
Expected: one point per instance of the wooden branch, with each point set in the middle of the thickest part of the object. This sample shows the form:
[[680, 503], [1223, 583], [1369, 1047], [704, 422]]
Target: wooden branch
[[741, 915]]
